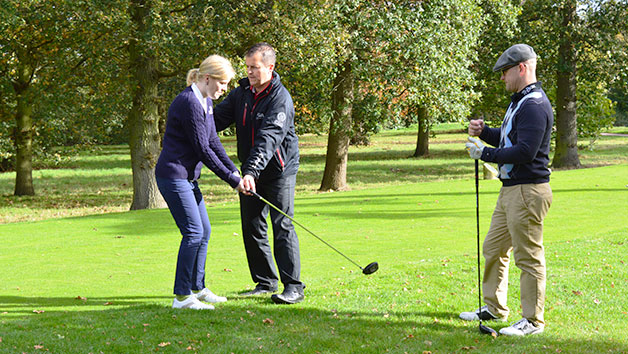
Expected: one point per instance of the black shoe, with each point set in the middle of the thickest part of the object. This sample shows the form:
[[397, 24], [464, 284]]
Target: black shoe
[[260, 290], [288, 297], [481, 314]]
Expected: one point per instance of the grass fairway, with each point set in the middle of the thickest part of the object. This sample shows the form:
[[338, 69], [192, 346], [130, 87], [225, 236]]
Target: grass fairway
[[104, 283], [98, 180]]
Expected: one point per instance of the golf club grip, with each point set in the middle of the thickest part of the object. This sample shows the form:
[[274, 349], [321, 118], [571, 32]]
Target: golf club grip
[[304, 228]]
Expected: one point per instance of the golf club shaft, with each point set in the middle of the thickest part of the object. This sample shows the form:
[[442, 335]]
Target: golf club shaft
[[477, 224], [304, 228]]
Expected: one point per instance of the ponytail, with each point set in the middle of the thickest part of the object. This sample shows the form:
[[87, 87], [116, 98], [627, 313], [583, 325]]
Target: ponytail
[[192, 76]]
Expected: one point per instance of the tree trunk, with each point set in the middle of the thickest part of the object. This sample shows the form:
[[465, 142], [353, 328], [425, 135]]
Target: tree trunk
[[566, 154], [423, 136], [24, 130], [143, 120], [335, 175]]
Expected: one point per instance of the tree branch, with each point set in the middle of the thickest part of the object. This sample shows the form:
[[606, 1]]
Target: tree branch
[[183, 9], [43, 44], [164, 74], [80, 62]]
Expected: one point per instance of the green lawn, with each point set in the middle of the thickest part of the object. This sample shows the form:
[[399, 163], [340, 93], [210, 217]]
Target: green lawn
[[103, 283], [99, 180]]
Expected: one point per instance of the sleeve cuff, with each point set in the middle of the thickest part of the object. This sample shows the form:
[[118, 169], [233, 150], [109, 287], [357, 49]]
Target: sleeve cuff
[[234, 180]]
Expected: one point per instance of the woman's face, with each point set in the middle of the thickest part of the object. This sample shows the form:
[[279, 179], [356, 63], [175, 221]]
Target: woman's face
[[216, 87]]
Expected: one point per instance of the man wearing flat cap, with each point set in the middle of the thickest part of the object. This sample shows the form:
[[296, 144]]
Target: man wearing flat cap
[[521, 150]]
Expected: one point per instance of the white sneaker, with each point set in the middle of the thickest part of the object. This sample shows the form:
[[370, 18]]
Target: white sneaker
[[191, 303], [523, 327], [482, 313], [207, 296]]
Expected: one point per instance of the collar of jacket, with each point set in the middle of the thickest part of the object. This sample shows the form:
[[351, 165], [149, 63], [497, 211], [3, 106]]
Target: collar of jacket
[[526, 90], [274, 82]]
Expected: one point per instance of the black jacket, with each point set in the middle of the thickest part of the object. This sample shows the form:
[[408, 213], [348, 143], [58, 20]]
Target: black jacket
[[268, 146]]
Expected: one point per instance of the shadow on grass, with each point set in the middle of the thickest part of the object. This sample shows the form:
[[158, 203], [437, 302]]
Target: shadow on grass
[[28, 305], [249, 326], [106, 164], [386, 155], [364, 197]]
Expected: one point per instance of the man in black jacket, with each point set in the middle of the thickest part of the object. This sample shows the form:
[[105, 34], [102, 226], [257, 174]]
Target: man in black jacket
[[268, 149], [522, 147]]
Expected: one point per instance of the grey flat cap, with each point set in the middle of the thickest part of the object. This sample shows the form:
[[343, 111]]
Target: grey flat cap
[[514, 55]]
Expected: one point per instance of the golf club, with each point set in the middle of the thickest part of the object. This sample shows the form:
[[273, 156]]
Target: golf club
[[369, 269], [483, 329]]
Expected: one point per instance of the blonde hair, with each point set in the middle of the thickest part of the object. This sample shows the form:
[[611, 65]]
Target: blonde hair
[[215, 66]]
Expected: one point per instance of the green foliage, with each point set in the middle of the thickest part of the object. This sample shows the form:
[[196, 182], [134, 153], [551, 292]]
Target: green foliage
[[620, 97], [599, 33], [404, 54], [595, 111], [437, 50], [61, 41], [498, 33]]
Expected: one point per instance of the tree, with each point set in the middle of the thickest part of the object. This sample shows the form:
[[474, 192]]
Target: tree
[[579, 42], [433, 62], [167, 39], [566, 152], [163, 41], [313, 45], [345, 15], [361, 64], [335, 174], [37, 37], [498, 32], [143, 120]]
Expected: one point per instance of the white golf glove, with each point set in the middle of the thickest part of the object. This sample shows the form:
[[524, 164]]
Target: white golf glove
[[474, 147]]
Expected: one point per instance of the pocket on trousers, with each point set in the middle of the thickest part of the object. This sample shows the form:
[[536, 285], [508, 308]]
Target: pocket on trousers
[[537, 199]]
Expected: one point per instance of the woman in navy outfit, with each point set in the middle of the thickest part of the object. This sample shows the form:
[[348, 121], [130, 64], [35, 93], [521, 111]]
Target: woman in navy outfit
[[190, 141]]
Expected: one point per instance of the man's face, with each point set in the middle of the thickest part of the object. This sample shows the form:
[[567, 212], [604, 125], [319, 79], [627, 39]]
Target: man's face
[[258, 73], [511, 78]]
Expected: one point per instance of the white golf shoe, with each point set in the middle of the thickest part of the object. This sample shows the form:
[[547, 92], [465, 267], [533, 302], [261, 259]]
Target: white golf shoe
[[206, 295], [191, 303], [523, 327]]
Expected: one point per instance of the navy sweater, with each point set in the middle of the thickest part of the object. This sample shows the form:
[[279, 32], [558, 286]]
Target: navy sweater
[[523, 141], [190, 140]]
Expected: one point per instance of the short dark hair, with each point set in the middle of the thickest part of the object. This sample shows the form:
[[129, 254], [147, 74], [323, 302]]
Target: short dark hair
[[268, 52]]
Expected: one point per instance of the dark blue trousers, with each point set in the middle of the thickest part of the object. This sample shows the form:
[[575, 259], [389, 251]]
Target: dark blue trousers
[[253, 212], [187, 207]]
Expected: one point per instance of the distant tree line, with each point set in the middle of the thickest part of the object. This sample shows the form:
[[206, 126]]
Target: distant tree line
[[84, 72]]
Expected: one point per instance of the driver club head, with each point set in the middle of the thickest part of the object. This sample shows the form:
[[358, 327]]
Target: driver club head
[[488, 330], [370, 268]]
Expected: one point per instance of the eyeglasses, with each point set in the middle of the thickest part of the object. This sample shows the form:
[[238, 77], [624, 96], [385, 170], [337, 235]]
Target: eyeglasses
[[510, 67]]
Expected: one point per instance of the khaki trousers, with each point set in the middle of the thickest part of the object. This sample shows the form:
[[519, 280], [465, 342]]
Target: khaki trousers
[[517, 225]]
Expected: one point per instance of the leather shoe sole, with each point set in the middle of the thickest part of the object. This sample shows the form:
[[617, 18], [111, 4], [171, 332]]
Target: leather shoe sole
[[291, 298], [258, 291]]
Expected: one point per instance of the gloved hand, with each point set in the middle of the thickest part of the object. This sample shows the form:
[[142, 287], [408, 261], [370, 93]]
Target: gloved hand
[[474, 147]]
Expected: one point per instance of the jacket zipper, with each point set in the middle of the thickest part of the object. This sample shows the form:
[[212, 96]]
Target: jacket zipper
[[280, 160], [257, 99], [246, 105]]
